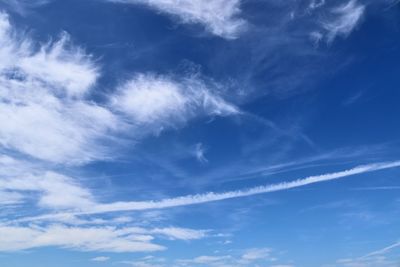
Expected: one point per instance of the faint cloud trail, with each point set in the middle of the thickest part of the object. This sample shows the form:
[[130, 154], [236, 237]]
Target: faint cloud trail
[[212, 196], [382, 251]]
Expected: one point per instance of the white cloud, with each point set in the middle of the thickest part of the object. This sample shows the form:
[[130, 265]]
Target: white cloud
[[150, 99], [199, 153], [68, 70], [23, 6], [45, 114], [100, 259], [256, 253], [46, 111], [43, 111], [72, 196], [173, 233], [383, 250], [220, 17], [19, 178], [345, 19], [248, 257], [159, 102], [380, 261], [148, 261], [180, 233], [10, 198], [314, 4], [316, 37], [379, 257], [206, 260], [91, 238], [108, 239]]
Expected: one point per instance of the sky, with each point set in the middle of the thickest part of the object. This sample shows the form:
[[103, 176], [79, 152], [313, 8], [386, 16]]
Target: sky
[[159, 133]]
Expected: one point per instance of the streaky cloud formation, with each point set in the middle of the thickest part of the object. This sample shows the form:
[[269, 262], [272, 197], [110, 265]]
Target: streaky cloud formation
[[199, 133], [344, 20], [161, 102], [43, 108], [19, 177], [47, 112], [220, 17], [212, 196], [100, 259], [383, 250], [91, 238], [84, 239], [248, 257], [23, 6], [68, 72], [199, 153]]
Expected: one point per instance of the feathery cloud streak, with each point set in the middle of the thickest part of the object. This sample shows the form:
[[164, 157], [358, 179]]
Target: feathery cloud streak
[[212, 196], [47, 113], [346, 18], [375, 258], [91, 238], [157, 102], [43, 108], [220, 17]]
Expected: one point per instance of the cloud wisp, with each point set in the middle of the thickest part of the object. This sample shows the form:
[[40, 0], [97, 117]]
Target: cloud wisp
[[107, 239], [92, 238], [100, 259], [157, 102], [16, 238], [383, 250], [220, 17], [345, 19], [379, 257], [248, 257]]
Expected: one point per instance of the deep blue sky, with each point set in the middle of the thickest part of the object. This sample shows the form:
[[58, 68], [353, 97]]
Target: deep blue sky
[[199, 133]]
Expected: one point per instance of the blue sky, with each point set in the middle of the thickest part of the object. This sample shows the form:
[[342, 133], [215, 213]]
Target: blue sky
[[199, 133]]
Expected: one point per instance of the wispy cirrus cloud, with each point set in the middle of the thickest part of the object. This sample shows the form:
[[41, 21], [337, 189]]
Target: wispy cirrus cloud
[[377, 188], [48, 115], [247, 257], [383, 250], [47, 112], [23, 6], [344, 19], [220, 17], [100, 259], [20, 178], [205, 259], [104, 238], [107, 239], [378, 257], [43, 108], [199, 153], [159, 102]]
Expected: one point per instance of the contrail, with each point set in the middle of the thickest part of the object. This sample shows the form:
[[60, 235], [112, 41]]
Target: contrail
[[212, 196]]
